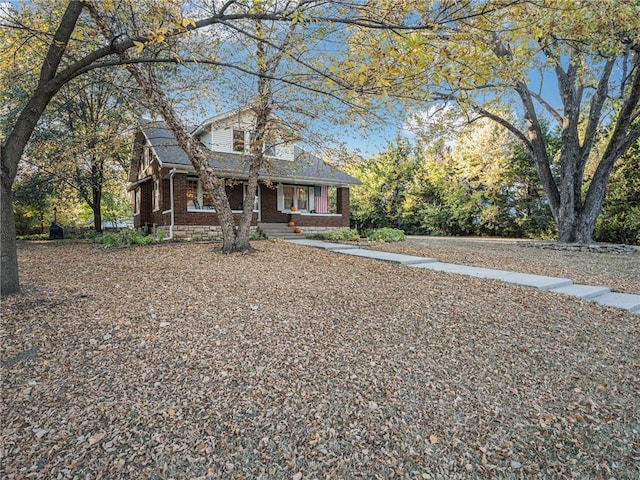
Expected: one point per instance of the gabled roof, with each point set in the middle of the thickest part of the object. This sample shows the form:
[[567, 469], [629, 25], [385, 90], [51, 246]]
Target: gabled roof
[[306, 168], [217, 118]]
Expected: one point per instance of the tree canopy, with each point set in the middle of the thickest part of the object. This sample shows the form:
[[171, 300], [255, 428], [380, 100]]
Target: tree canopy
[[576, 64]]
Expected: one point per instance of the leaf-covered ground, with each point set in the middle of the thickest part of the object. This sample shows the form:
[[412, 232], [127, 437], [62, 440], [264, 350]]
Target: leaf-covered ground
[[176, 361]]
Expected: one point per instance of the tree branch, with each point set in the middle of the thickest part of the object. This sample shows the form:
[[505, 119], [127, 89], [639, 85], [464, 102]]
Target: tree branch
[[547, 106], [595, 112]]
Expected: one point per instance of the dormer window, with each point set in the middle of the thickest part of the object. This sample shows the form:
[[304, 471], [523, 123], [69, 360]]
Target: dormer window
[[238, 141]]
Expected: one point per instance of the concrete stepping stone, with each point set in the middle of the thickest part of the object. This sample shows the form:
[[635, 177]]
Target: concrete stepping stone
[[626, 301], [479, 272], [387, 256], [538, 281], [586, 292]]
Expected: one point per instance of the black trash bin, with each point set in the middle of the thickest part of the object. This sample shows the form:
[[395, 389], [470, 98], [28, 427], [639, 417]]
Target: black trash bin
[[56, 232]]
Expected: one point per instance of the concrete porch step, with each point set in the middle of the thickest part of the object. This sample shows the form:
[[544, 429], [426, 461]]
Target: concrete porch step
[[279, 230]]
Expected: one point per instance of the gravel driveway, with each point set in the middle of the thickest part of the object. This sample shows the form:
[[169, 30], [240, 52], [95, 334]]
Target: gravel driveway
[[176, 361]]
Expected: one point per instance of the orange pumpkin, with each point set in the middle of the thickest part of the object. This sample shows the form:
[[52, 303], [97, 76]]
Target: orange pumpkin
[[292, 224], [293, 209], [298, 230]]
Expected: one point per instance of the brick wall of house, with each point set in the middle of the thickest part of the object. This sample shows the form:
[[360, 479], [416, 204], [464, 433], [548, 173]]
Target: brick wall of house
[[319, 220], [269, 206], [184, 217], [343, 205], [165, 194], [268, 203]]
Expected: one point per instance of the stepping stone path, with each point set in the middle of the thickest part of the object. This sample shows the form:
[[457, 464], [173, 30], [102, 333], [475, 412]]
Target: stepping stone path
[[598, 294]]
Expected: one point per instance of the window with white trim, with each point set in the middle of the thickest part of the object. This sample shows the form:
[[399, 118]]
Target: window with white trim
[[136, 201], [197, 199], [156, 195], [299, 197], [238, 140]]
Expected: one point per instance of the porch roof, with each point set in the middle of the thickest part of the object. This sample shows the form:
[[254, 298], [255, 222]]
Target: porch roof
[[306, 168]]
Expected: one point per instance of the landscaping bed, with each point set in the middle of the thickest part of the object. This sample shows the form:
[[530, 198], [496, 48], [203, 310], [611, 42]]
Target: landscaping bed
[[176, 361]]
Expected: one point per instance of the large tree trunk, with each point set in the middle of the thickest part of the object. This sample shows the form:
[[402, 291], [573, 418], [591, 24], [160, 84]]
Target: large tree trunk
[[10, 279], [97, 179], [97, 214], [16, 142]]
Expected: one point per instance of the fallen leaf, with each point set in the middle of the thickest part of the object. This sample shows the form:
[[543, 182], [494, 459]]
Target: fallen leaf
[[433, 439], [95, 438]]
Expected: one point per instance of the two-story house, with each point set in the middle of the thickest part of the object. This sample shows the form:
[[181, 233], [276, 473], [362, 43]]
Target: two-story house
[[297, 186]]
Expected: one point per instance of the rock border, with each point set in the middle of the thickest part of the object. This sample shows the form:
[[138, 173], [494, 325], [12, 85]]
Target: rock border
[[580, 247]]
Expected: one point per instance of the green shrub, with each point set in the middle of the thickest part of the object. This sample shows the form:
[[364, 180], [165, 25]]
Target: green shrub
[[125, 238], [343, 234], [386, 235]]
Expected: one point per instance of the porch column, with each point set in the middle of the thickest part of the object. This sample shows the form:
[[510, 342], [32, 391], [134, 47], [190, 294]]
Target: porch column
[[343, 205]]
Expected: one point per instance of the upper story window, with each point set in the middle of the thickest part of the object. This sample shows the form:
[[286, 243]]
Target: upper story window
[[238, 140], [146, 156]]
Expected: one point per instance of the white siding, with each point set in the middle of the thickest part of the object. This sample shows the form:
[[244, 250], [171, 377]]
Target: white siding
[[220, 138], [285, 152]]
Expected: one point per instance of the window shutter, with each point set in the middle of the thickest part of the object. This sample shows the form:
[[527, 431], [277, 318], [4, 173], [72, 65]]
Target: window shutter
[[311, 194], [280, 195]]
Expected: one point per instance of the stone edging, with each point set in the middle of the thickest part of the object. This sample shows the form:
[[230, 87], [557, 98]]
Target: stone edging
[[579, 247]]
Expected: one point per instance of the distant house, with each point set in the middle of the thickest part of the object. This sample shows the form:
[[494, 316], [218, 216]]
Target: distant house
[[167, 194]]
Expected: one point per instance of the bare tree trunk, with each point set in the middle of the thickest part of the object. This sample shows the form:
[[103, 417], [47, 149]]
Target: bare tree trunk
[[567, 227], [262, 112], [97, 214], [97, 179], [10, 278]]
